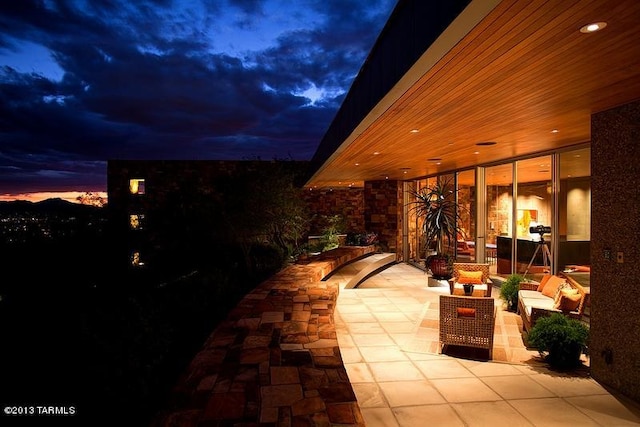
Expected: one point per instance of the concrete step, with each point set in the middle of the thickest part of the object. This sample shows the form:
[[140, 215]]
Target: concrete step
[[371, 264]]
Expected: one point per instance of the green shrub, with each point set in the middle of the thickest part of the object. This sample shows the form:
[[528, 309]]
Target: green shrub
[[509, 290], [562, 339]]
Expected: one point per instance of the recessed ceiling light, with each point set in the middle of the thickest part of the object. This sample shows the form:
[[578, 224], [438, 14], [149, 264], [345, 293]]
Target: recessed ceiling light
[[415, 130], [357, 164], [476, 152], [375, 153], [592, 28], [486, 143], [555, 131]]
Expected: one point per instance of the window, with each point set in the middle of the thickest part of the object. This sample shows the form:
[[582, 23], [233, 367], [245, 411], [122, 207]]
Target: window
[[136, 186], [136, 221], [136, 260]]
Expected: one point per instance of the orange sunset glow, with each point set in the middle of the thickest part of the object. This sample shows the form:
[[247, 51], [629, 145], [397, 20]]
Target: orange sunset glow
[[71, 196]]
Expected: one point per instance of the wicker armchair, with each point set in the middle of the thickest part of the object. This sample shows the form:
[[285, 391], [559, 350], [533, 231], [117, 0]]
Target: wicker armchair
[[456, 288], [467, 321]]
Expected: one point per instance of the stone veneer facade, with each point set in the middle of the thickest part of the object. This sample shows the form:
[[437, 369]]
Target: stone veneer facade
[[348, 202], [375, 208], [383, 213], [615, 308]]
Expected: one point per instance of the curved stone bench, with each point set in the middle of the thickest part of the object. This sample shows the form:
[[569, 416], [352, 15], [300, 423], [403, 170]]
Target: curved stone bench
[[275, 359]]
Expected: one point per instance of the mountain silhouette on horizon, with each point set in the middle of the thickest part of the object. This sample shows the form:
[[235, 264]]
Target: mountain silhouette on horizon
[[52, 205]]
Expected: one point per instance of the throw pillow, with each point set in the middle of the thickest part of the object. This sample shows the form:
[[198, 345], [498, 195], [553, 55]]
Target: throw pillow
[[470, 277], [568, 301], [543, 282], [552, 285], [466, 312]]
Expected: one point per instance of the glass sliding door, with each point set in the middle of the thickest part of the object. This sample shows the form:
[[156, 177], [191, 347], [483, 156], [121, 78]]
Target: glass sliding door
[[574, 223], [499, 214], [534, 216]]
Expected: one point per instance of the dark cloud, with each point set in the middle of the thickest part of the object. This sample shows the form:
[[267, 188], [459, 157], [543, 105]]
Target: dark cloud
[[147, 80]]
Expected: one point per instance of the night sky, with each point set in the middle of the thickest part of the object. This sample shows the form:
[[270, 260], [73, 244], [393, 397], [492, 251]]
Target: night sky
[[87, 81]]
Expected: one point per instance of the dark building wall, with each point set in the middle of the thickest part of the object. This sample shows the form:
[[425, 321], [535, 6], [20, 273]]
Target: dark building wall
[[615, 227], [175, 190], [383, 213]]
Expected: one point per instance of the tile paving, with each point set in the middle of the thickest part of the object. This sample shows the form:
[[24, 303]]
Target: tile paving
[[299, 351], [387, 333]]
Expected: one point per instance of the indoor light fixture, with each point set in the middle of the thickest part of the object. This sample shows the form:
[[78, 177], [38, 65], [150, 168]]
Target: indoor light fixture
[[592, 28]]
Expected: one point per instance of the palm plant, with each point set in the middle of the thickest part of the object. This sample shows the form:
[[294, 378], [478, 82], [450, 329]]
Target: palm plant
[[439, 209]]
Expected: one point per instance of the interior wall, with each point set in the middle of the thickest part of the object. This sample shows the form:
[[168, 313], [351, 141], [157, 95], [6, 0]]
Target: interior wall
[[615, 228]]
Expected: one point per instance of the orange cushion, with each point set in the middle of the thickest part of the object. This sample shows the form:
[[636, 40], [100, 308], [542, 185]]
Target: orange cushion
[[569, 300], [470, 277], [466, 312], [543, 282], [552, 285]]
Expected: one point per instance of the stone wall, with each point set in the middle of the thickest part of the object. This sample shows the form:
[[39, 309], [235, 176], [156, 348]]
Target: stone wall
[[347, 202], [275, 360], [615, 307], [383, 213]]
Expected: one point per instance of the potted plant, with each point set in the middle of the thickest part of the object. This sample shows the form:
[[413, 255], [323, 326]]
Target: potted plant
[[509, 291], [439, 210], [561, 340]]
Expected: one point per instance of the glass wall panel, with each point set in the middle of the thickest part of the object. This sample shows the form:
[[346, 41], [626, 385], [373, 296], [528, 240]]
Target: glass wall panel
[[499, 181], [413, 234], [574, 224], [534, 211], [467, 200], [520, 233]]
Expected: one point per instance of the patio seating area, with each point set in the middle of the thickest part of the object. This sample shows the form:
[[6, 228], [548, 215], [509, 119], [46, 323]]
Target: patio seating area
[[388, 333], [299, 350]]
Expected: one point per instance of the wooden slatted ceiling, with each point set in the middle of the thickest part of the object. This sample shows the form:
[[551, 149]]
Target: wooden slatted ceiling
[[523, 71]]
